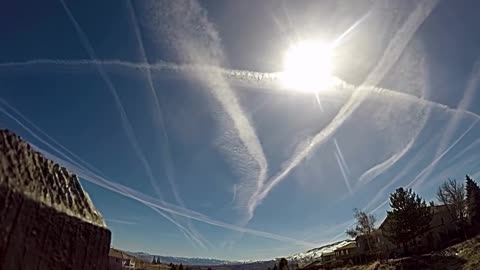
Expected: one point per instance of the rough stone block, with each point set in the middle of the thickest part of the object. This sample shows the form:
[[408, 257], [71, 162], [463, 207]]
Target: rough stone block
[[47, 221]]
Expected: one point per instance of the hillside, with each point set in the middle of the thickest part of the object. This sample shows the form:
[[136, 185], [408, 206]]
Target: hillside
[[463, 256]]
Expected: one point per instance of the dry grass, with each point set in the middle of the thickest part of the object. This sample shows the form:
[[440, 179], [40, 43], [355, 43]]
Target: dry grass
[[463, 256]]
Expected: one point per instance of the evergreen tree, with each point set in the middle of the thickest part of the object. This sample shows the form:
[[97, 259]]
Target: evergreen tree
[[283, 264], [172, 266], [153, 260], [275, 267], [473, 203], [180, 267], [409, 218]]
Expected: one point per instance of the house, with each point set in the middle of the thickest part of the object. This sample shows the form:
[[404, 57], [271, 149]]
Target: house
[[442, 230], [335, 256], [327, 257], [347, 251], [119, 260]]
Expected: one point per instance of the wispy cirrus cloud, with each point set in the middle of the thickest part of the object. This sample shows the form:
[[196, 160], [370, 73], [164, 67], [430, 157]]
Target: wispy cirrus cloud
[[75, 164], [261, 79], [465, 102], [390, 56], [190, 231], [125, 122], [185, 25]]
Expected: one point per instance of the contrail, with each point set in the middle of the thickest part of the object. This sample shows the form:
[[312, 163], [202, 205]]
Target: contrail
[[340, 155], [186, 232], [466, 149], [126, 222], [342, 170], [251, 79], [464, 103], [169, 167], [382, 167], [415, 182], [101, 181], [419, 178], [381, 193], [162, 205], [42, 132], [255, 79], [194, 37], [125, 122], [70, 159], [425, 111], [378, 169], [390, 56], [412, 163], [339, 39]]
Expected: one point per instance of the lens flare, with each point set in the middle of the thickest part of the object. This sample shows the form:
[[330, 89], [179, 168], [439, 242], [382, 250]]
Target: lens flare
[[308, 67]]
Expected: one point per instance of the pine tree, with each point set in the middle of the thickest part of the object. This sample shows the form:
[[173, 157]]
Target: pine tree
[[172, 266], [473, 203], [180, 267], [154, 261], [275, 267], [410, 217]]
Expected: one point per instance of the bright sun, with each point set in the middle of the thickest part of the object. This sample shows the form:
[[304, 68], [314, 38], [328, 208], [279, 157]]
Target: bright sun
[[307, 67]]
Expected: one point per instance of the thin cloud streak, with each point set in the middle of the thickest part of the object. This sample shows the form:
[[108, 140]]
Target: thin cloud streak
[[390, 56], [345, 178], [46, 135], [418, 180], [125, 222], [125, 122], [464, 103], [162, 205], [338, 41], [378, 169], [250, 79], [202, 45], [167, 159], [186, 232], [158, 204], [340, 155], [73, 158]]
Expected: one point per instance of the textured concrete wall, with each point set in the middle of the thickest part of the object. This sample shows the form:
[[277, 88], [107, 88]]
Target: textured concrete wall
[[47, 221]]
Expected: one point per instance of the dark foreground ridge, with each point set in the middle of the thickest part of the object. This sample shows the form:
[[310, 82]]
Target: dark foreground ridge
[[47, 221]]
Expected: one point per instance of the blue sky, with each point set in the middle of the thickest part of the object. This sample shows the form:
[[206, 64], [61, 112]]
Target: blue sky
[[166, 111]]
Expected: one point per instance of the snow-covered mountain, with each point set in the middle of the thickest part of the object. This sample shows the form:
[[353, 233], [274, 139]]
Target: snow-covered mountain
[[312, 255], [182, 260], [300, 259]]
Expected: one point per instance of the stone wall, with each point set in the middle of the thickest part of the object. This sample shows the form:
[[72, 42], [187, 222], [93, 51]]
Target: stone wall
[[47, 221]]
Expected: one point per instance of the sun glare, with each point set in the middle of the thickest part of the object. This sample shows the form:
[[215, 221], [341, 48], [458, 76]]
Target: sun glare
[[307, 67]]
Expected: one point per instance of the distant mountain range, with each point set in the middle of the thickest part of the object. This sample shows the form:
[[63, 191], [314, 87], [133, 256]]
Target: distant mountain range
[[300, 259], [182, 260]]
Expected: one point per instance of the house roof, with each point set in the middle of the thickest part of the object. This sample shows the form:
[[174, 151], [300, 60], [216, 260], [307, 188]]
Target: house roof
[[436, 209], [120, 254], [348, 246]]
